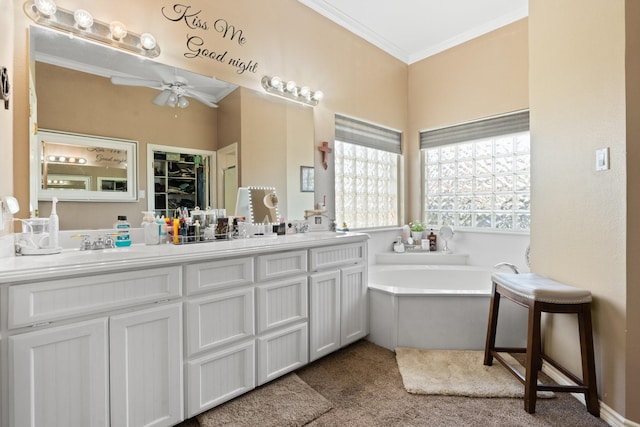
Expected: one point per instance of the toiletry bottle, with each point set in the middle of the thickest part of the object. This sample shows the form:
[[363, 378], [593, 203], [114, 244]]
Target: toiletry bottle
[[433, 242], [150, 228], [398, 246], [54, 225], [162, 225], [123, 238]]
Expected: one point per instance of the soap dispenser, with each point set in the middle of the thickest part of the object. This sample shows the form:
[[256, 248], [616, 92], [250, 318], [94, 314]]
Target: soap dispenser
[[151, 229]]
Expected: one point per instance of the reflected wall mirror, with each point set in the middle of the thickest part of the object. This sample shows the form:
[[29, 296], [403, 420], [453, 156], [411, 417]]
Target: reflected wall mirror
[[60, 66], [84, 167]]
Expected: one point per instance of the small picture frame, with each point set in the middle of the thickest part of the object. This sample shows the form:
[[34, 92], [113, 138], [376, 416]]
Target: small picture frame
[[306, 179]]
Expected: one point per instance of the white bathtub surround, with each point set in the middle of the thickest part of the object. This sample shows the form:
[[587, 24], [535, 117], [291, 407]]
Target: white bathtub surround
[[422, 258], [437, 307]]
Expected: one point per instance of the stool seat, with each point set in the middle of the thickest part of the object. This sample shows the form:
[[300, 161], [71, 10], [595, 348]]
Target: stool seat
[[539, 288]]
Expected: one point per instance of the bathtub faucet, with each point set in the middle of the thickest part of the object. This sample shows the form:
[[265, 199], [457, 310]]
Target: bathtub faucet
[[507, 264]]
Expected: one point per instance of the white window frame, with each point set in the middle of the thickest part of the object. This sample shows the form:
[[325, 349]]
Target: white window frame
[[375, 141], [483, 200]]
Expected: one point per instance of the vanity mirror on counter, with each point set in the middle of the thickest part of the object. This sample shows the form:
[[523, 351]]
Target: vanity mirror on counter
[[264, 140]]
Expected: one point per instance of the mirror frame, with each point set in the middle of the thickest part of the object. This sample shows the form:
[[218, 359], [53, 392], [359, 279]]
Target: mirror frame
[[128, 146]]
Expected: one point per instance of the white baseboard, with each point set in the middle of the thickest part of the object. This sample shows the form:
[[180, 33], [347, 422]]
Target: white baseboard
[[607, 414]]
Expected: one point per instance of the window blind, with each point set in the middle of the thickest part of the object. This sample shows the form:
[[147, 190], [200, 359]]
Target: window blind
[[354, 131], [486, 128]]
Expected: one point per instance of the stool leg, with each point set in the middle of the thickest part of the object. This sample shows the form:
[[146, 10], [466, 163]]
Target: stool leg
[[492, 326], [532, 361], [588, 360]]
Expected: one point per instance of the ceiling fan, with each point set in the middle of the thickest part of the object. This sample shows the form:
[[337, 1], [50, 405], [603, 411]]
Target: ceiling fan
[[172, 93]]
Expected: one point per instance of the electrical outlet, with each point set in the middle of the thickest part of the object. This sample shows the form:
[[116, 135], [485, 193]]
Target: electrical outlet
[[602, 159]]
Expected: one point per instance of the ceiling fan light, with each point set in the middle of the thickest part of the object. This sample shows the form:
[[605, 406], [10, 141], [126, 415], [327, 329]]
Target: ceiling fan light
[[183, 102], [147, 41], [46, 7], [83, 19], [173, 100], [162, 98], [118, 30]]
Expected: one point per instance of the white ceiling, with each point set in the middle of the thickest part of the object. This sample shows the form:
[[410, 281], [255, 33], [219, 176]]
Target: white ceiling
[[412, 30]]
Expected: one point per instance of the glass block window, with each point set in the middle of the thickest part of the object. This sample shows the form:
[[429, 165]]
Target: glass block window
[[367, 161], [480, 183]]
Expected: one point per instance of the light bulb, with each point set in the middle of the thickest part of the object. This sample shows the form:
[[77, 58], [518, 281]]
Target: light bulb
[[62, 159], [83, 18], [147, 41], [46, 7], [305, 91], [82, 161], [118, 30], [276, 82], [318, 95], [52, 158], [291, 86]]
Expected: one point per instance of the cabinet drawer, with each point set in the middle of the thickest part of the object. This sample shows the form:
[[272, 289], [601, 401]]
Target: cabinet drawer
[[334, 256], [219, 319], [281, 264], [59, 299], [281, 303], [219, 377], [282, 352], [207, 276]]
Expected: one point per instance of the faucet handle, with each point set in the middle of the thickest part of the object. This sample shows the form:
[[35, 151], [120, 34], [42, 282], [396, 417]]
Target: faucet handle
[[85, 244]]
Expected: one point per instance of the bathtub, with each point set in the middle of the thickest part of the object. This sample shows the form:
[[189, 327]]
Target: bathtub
[[438, 307]]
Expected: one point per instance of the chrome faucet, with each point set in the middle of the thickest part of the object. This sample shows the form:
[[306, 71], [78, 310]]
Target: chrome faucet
[[507, 264]]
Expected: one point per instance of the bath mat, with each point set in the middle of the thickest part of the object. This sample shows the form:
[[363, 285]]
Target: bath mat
[[458, 373], [287, 401]]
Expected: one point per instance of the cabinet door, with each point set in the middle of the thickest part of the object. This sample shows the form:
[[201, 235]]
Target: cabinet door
[[146, 367], [324, 314], [281, 352], [219, 319], [353, 304], [220, 376], [60, 376], [281, 303]]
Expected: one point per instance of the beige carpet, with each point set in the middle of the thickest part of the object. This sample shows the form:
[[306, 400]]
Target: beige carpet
[[458, 373], [287, 401]]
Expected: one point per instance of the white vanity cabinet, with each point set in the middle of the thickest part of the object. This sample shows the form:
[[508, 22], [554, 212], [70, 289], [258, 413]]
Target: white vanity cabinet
[[159, 334], [338, 298], [121, 366]]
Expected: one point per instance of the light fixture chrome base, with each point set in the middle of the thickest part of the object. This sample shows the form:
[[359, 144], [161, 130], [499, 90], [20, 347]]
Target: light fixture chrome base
[[63, 20], [289, 90]]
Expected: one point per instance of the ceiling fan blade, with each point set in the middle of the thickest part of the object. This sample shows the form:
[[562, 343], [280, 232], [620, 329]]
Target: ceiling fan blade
[[206, 101], [162, 98], [132, 81]]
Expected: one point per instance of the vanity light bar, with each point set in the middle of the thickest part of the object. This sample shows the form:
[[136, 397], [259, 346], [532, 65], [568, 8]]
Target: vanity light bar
[[64, 159], [82, 24], [290, 90]]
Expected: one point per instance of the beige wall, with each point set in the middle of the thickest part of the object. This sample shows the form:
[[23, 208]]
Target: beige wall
[[480, 78], [577, 98]]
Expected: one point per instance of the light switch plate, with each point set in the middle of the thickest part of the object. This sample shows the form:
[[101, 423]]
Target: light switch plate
[[602, 159]]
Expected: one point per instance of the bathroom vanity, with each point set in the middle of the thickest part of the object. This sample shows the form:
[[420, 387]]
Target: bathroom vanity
[[152, 335]]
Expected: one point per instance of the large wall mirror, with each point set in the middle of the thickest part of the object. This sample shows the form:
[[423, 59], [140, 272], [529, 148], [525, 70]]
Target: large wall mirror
[[79, 87]]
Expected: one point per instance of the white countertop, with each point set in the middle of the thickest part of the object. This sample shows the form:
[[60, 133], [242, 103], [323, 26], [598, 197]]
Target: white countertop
[[74, 261]]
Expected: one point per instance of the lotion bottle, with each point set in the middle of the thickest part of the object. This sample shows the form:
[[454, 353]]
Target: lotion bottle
[[54, 225]]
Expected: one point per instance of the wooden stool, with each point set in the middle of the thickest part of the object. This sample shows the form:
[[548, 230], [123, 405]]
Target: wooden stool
[[540, 294]]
